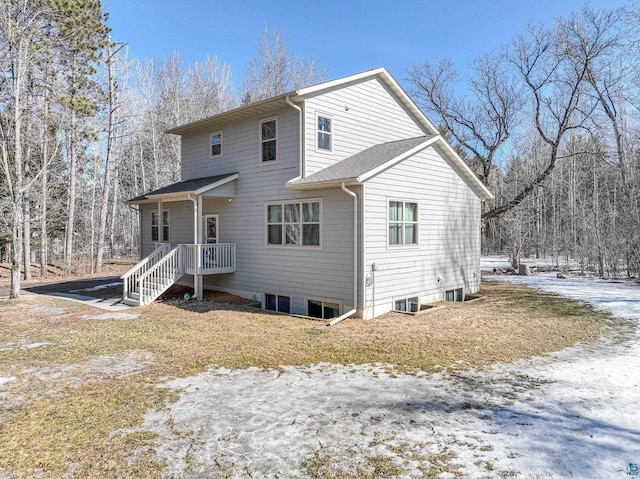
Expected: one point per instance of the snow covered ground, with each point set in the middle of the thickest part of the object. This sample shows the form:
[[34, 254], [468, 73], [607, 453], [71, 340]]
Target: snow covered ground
[[570, 414]]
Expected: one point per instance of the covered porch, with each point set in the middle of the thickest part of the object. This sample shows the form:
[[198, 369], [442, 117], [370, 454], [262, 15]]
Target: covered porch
[[176, 252]]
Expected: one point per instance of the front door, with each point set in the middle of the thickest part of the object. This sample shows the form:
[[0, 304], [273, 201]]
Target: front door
[[211, 229]]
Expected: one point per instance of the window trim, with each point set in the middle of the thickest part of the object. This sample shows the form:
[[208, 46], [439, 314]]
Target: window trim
[[323, 300], [261, 141], [277, 295], [283, 244], [403, 222], [406, 298], [161, 227], [318, 131], [219, 155]]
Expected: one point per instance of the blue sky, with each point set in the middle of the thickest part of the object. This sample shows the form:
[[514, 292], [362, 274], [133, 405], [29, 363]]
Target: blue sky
[[345, 36]]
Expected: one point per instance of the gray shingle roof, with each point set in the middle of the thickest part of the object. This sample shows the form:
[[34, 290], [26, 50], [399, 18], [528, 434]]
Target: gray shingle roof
[[362, 162], [183, 186]]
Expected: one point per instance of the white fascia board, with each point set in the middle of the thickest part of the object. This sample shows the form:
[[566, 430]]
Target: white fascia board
[[340, 81], [376, 171], [212, 186]]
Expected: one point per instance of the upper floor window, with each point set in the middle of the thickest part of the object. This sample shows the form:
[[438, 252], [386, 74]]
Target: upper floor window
[[403, 223], [216, 144], [156, 227], [269, 140], [325, 140], [294, 223]]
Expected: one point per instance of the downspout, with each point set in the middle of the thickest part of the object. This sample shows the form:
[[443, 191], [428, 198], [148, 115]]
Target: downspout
[[300, 136], [355, 257]]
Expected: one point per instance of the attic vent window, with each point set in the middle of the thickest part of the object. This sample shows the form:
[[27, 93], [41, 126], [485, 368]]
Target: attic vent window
[[268, 140], [324, 133]]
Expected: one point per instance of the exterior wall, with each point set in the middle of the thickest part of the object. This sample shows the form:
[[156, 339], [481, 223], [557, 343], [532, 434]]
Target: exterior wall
[[298, 272], [180, 224], [363, 115], [448, 254]]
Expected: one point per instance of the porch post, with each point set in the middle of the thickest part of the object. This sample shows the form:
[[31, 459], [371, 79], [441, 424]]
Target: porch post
[[198, 235], [160, 224]]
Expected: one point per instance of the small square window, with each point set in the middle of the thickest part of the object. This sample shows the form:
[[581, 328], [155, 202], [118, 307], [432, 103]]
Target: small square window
[[409, 305], [454, 295], [276, 302], [322, 309]]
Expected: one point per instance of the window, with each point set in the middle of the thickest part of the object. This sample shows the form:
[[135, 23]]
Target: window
[[276, 302], [294, 224], [155, 226], [409, 305], [403, 223], [324, 133], [454, 295], [216, 144], [269, 140], [319, 308]]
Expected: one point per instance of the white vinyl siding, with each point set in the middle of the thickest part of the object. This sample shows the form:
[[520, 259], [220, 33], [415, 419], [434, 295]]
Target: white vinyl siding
[[325, 272], [366, 114], [448, 252]]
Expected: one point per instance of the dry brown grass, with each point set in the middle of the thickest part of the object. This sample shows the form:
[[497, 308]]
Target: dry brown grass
[[80, 429]]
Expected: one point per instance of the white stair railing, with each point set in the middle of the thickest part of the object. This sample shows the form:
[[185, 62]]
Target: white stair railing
[[130, 280], [157, 279]]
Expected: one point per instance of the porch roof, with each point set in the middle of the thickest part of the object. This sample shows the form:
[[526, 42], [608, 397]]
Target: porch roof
[[182, 189]]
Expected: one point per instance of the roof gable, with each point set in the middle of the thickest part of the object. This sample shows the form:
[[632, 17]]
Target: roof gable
[[270, 105]]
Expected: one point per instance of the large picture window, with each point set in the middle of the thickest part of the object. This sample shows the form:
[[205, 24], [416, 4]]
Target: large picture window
[[294, 223], [403, 223], [156, 228], [269, 140]]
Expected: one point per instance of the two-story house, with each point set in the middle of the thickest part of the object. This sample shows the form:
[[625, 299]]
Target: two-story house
[[334, 200]]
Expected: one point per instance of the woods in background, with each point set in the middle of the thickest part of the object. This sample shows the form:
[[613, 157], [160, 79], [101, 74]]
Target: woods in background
[[549, 124]]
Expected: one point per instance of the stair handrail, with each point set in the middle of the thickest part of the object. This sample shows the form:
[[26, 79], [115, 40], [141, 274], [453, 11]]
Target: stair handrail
[[141, 267], [170, 266]]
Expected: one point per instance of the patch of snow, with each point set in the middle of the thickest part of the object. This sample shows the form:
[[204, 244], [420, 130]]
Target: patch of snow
[[6, 380], [569, 414], [33, 345], [105, 316], [97, 288]]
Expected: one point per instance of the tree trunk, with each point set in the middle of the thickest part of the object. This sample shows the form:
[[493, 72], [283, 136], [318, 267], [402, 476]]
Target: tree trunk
[[106, 189], [71, 202]]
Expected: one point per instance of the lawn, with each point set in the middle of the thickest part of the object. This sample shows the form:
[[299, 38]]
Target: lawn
[[77, 389]]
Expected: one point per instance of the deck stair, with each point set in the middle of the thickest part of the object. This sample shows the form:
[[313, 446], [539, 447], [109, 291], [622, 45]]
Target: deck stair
[[156, 273]]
